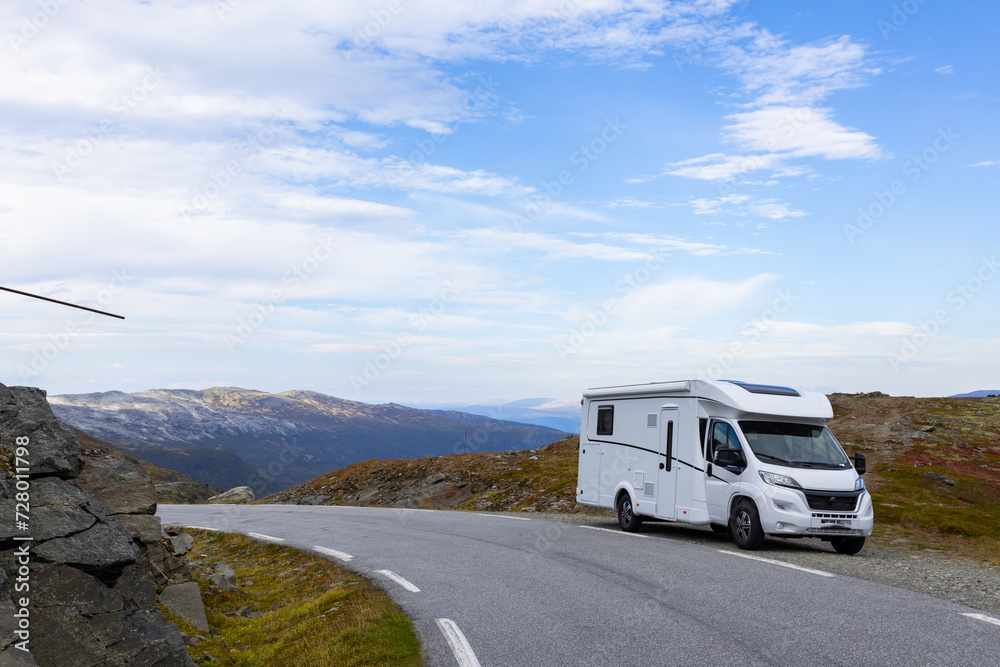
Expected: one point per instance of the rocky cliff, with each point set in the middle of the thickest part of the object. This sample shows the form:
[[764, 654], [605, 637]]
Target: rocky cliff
[[81, 555]]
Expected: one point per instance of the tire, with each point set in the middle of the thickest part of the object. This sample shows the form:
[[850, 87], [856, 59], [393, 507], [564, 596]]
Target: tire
[[629, 521], [745, 526], [848, 545]]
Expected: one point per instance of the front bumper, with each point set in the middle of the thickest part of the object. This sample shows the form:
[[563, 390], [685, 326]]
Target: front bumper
[[785, 511]]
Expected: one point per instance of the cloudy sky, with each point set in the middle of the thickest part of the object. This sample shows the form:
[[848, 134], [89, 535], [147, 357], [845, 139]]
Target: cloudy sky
[[432, 201]]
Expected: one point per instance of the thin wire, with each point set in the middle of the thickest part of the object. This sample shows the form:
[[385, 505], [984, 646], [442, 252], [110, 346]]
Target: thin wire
[[64, 303]]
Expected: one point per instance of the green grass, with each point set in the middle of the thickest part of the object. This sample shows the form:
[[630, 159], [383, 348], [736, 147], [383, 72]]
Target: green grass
[[312, 612]]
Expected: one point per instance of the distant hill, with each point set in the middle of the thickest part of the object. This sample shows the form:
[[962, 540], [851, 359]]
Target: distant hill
[[560, 414], [171, 486], [228, 436], [982, 393]]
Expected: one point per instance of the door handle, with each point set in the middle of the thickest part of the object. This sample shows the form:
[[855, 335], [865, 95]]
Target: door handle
[[662, 466]]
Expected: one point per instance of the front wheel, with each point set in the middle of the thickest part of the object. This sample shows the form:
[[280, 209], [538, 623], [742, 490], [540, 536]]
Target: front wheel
[[848, 545], [627, 518], [745, 526]]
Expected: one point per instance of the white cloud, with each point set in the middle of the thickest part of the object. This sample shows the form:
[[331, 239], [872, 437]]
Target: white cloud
[[722, 167], [800, 132], [944, 69]]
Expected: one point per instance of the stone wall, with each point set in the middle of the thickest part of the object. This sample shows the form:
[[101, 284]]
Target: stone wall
[[96, 557]]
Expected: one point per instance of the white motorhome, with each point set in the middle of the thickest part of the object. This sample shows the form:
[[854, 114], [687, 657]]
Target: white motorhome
[[748, 459]]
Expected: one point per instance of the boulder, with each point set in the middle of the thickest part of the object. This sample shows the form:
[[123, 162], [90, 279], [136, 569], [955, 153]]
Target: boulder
[[185, 601], [143, 527], [79, 621], [53, 447], [122, 486], [237, 495], [104, 550]]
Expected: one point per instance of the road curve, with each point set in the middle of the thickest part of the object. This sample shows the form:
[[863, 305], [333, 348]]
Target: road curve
[[537, 592]]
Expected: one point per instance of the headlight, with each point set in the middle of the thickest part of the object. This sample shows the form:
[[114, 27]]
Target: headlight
[[860, 484], [779, 480]]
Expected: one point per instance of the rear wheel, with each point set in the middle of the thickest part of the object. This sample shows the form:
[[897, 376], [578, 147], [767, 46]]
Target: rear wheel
[[848, 545], [745, 525], [627, 518]]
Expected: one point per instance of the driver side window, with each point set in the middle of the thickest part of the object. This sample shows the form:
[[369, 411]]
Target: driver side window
[[723, 435]]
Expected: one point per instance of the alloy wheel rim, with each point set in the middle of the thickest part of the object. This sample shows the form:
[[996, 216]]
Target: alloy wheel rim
[[743, 525]]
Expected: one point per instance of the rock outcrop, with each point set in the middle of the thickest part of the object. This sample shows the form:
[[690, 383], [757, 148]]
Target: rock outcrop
[[234, 496], [96, 555]]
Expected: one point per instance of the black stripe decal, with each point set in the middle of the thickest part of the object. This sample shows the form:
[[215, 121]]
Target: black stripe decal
[[643, 449]]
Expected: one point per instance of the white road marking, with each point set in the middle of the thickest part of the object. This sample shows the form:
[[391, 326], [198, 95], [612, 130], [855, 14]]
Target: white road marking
[[409, 509], [266, 538], [984, 617], [777, 562], [616, 532], [339, 555], [399, 580], [503, 516], [214, 530], [458, 643]]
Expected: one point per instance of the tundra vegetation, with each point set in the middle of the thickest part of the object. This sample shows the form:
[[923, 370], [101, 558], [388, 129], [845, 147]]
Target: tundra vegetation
[[288, 607]]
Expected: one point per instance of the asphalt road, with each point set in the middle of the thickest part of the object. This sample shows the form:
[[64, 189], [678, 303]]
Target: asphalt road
[[536, 592]]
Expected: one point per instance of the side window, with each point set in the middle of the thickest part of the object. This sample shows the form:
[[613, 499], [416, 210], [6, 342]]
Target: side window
[[723, 435], [605, 420]]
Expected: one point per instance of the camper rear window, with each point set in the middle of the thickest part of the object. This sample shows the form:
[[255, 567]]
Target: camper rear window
[[605, 420]]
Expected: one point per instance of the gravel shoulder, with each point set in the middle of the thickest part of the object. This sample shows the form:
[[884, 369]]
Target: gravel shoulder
[[958, 580]]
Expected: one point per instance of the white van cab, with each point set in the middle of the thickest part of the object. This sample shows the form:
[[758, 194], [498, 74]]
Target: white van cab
[[750, 460]]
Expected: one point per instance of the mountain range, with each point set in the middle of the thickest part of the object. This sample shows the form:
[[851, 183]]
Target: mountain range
[[560, 414], [227, 436]]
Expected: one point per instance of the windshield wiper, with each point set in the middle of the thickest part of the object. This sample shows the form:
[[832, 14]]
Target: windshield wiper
[[773, 458]]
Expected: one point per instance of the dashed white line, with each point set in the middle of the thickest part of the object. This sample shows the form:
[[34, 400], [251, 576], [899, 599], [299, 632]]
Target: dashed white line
[[399, 580], [339, 555], [504, 516], [266, 538], [777, 562], [984, 617], [458, 643], [616, 532]]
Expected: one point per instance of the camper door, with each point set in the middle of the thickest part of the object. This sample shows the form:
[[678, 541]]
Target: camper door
[[666, 483]]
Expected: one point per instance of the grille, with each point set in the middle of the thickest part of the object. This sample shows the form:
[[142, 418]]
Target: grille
[[648, 490], [839, 503]]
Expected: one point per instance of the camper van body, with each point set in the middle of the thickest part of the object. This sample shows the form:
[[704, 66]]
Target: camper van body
[[678, 451]]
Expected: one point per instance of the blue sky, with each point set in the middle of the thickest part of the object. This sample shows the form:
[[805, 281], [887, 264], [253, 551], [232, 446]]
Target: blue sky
[[425, 201]]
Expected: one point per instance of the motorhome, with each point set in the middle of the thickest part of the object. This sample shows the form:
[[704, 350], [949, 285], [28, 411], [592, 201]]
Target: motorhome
[[749, 460]]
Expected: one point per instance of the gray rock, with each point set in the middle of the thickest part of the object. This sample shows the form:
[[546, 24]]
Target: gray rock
[[237, 495], [53, 447], [181, 544], [122, 486], [80, 622], [226, 572], [136, 581], [220, 580], [940, 478], [143, 527], [104, 549], [185, 601]]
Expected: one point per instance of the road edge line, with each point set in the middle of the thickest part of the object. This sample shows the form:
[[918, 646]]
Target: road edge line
[[778, 562], [459, 644]]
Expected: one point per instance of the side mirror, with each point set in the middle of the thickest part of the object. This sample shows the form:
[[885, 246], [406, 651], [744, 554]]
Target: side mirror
[[726, 456], [859, 462]]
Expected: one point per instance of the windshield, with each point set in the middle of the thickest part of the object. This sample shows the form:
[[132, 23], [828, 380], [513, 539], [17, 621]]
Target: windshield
[[795, 445]]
